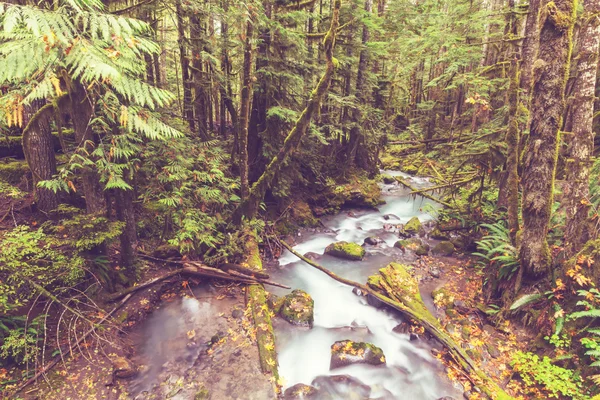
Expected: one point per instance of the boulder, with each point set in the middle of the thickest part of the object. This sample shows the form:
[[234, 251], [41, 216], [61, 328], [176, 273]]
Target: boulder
[[413, 244], [347, 352], [372, 240], [438, 235], [300, 391], [298, 308], [341, 387], [388, 179], [444, 248], [275, 302], [345, 250], [422, 250], [123, 368], [412, 227]]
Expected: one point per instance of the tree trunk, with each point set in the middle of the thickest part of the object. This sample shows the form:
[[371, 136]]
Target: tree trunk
[[125, 213], [512, 133], [581, 145], [245, 105], [188, 111], [38, 147], [530, 47], [198, 75], [547, 106], [358, 153], [82, 111]]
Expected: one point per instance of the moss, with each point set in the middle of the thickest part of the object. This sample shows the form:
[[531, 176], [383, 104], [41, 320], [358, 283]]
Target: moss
[[438, 235], [410, 169], [422, 250], [13, 171], [444, 248], [348, 251], [202, 394], [412, 226], [298, 308], [347, 352], [387, 179], [274, 302], [413, 244], [303, 215]]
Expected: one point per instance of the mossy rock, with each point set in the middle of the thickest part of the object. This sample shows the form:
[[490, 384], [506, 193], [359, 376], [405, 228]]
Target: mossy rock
[[298, 308], [303, 215], [412, 227], [442, 298], [410, 169], [123, 368], [300, 391], [345, 250], [422, 250], [459, 242], [409, 244], [347, 352], [341, 387], [166, 251], [444, 248], [275, 302], [388, 179], [13, 171], [438, 235]]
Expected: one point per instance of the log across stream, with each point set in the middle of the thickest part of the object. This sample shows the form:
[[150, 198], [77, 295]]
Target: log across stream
[[411, 372]]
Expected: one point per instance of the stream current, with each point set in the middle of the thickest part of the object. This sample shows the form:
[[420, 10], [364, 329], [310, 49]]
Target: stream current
[[411, 372]]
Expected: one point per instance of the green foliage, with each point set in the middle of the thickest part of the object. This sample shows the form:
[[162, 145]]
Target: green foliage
[[27, 256], [19, 338], [497, 251], [590, 302], [541, 377]]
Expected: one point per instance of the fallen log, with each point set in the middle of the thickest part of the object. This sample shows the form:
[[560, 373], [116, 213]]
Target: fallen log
[[412, 189], [408, 302]]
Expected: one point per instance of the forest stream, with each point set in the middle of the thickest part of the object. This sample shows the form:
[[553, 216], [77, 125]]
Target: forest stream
[[304, 354]]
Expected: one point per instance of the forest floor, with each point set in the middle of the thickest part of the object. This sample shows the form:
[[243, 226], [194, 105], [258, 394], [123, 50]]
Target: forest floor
[[456, 299]]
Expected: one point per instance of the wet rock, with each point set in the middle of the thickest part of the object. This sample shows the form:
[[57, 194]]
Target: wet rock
[[345, 250], [422, 250], [217, 336], [313, 256], [298, 308], [274, 302], [300, 391], [358, 291], [374, 301], [237, 313], [341, 387], [402, 327], [351, 214], [459, 242], [413, 226], [123, 368], [435, 272], [388, 179], [347, 352], [372, 240], [438, 235], [444, 248], [493, 350], [387, 217], [408, 244]]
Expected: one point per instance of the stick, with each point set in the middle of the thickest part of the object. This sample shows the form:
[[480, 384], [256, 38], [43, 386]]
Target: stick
[[81, 339]]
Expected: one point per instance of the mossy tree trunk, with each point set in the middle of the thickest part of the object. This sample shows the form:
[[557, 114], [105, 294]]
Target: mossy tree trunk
[[581, 144], [530, 46], [245, 104], [249, 206], [512, 133], [547, 106], [200, 95], [182, 40]]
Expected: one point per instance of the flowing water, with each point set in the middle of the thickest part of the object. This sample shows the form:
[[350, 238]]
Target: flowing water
[[165, 345], [411, 372]]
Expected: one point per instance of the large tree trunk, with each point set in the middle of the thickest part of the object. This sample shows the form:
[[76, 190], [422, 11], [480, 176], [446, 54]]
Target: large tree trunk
[[245, 106], [249, 206], [82, 110], [530, 46], [126, 214], [581, 145], [38, 147], [200, 97], [547, 106], [358, 153]]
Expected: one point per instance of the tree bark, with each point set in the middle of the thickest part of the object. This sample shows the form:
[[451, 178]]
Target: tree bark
[[245, 105], [547, 107], [126, 213], [38, 147], [530, 47], [188, 110], [581, 145], [200, 97]]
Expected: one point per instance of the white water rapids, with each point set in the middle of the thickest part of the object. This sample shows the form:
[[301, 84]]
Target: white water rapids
[[411, 371]]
